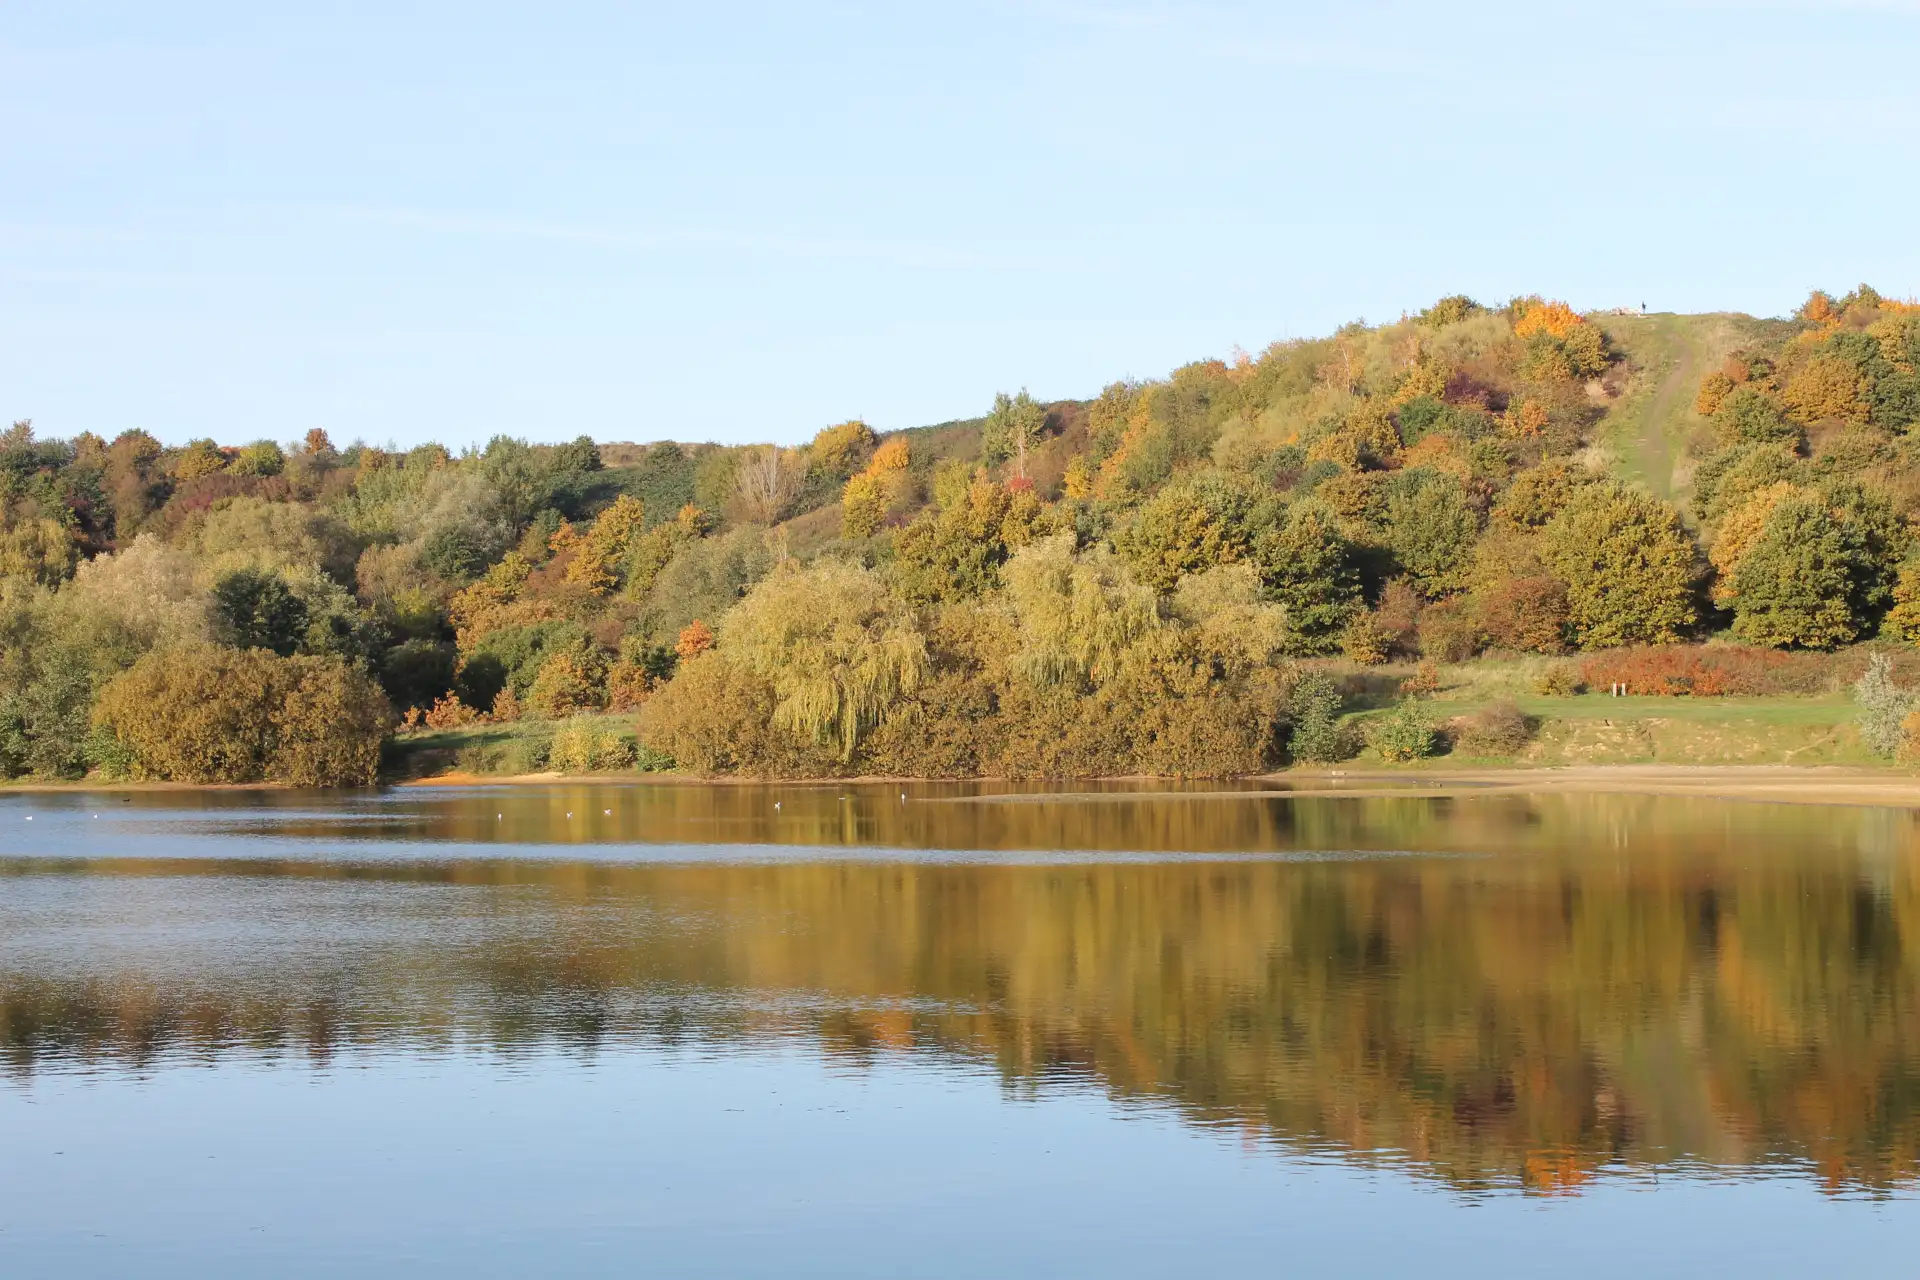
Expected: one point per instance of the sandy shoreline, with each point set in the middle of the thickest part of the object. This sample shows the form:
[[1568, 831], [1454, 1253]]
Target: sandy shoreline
[[1788, 784], [1784, 784]]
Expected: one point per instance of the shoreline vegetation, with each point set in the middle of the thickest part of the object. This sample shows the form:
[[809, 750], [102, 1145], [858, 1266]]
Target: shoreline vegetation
[[1477, 536]]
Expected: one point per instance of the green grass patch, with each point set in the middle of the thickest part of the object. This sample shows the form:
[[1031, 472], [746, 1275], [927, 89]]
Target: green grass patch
[[521, 747], [1826, 711]]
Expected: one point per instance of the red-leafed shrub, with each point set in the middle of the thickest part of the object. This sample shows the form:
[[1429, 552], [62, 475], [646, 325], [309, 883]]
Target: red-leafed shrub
[[1672, 671]]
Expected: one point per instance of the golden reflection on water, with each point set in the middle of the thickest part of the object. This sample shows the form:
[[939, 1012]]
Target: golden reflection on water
[[1604, 982]]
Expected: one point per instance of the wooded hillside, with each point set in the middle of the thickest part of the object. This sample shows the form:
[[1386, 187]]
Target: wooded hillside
[[1138, 582]]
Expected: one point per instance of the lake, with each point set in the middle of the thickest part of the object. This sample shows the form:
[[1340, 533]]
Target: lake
[[955, 1030]]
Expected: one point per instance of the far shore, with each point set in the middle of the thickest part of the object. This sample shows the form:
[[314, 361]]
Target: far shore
[[1775, 783], [1786, 784]]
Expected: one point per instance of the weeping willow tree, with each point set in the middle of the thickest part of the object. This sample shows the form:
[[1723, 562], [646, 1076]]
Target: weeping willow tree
[[830, 642], [1079, 612]]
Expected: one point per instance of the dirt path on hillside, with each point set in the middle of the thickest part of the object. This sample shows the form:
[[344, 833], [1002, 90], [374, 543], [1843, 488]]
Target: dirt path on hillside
[[1656, 442], [1658, 341]]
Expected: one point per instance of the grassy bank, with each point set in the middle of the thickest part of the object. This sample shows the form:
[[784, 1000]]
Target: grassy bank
[[1583, 729], [585, 744], [1597, 729]]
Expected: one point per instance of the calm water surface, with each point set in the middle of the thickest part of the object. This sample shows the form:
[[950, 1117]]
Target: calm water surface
[[677, 1030]]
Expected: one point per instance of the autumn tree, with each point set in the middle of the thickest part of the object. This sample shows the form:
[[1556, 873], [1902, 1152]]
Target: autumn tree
[[199, 459], [35, 545], [599, 563], [867, 496], [837, 452], [1828, 387], [1560, 342], [228, 715], [954, 552], [1197, 521], [570, 680], [765, 480]]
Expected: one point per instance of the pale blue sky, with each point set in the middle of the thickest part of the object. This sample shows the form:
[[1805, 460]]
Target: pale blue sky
[[738, 221]]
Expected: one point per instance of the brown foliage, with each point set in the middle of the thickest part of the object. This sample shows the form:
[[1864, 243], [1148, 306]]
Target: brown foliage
[[716, 717], [1501, 729], [627, 686], [1710, 671], [1141, 726], [1527, 614], [448, 713], [227, 715], [1424, 682], [947, 729], [571, 681], [1364, 641], [1449, 632], [695, 639], [1398, 617]]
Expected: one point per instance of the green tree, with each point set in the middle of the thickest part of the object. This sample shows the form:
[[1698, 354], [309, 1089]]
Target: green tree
[[1013, 426], [1884, 707], [1405, 733], [1078, 612], [419, 672], [1450, 310], [255, 609], [1749, 415], [1808, 581], [1311, 569], [832, 646], [1196, 522], [261, 458], [1430, 527], [955, 552], [1316, 708], [839, 451], [1628, 565]]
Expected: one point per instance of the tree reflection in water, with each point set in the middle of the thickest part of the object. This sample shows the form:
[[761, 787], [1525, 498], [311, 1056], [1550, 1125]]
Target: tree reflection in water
[[1614, 984]]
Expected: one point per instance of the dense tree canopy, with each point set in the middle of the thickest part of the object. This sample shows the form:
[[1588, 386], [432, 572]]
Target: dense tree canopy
[[1127, 583]]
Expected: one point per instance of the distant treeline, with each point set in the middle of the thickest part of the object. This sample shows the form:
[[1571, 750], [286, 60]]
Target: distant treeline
[[1127, 584]]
